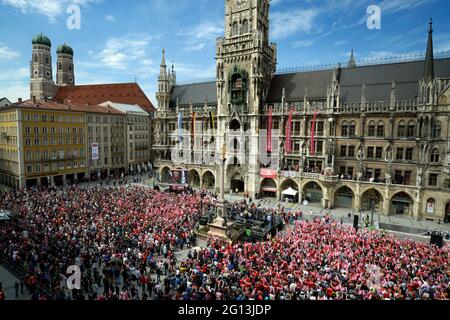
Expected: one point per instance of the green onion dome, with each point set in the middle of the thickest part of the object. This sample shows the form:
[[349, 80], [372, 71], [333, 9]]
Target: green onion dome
[[64, 49], [41, 39]]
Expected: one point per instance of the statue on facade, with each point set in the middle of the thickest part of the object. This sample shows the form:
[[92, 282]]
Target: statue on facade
[[389, 154], [388, 177], [359, 173], [330, 152], [303, 149], [360, 153], [419, 177]]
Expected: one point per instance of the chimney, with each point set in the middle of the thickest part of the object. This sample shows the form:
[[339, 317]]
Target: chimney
[[19, 100], [34, 99]]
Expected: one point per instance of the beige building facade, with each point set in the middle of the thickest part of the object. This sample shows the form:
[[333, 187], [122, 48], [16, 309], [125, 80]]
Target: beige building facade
[[381, 138]]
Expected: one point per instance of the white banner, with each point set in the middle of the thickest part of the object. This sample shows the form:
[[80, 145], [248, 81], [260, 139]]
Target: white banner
[[95, 151], [430, 207]]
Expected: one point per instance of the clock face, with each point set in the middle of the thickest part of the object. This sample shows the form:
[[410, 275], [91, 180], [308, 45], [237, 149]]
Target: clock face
[[240, 3]]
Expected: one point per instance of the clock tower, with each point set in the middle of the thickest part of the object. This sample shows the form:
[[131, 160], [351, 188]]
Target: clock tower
[[246, 64]]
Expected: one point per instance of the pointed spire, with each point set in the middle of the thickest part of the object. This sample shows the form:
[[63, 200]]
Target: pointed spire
[[173, 75], [429, 60], [163, 68], [363, 96], [393, 94], [163, 61], [352, 61]]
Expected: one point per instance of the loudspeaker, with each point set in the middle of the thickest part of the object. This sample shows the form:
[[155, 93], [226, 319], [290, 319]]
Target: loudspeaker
[[356, 221], [437, 240]]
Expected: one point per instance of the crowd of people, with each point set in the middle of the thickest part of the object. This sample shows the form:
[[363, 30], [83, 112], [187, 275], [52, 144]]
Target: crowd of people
[[113, 234], [124, 241], [318, 260]]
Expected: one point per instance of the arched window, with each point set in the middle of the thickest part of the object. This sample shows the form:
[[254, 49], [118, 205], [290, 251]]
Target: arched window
[[60, 66], [35, 58], [435, 155], [411, 132], [401, 131], [380, 129], [235, 31], [245, 26], [344, 129], [372, 127], [437, 130], [430, 206], [352, 129]]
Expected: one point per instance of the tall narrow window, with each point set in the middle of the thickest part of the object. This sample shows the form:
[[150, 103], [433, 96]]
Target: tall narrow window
[[352, 129], [372, 129], [235, 30], [245, 26], [344, 129], [435, 156], [380, 129], [401, 132], [437, 130], [411, 129]]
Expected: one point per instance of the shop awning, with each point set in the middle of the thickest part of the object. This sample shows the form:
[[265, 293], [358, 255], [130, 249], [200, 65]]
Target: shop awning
[[289, 192], [268, 189]]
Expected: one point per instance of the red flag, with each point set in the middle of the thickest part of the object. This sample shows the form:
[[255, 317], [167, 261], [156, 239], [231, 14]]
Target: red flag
[[269, 132], [288, 146], [193, 126], [313, 135]]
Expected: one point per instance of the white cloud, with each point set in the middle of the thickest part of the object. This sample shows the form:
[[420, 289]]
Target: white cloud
[[14, 83], [50, 8], [392, 6], [197, 37], [288, 23], [389, 6], [6, 53], [15, 89], [340, 43], [302, 43], [120, 52], [381, 54], [110, 17], [15, 74]]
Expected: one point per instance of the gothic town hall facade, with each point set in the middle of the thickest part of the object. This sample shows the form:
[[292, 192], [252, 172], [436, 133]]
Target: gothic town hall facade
[[373, 137]]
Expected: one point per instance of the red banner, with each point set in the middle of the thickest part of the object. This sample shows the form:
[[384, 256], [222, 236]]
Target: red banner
[[194, 115], [268, 173], [288, 145], [269, 132], [313, 135]]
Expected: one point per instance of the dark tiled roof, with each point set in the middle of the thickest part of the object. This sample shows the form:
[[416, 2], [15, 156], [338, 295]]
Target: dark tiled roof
[[127, 93], [197, 92], [295, 84], [378, 80]]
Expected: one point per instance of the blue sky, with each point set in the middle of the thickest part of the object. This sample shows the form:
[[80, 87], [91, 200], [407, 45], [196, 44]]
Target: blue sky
[[122, 40]]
